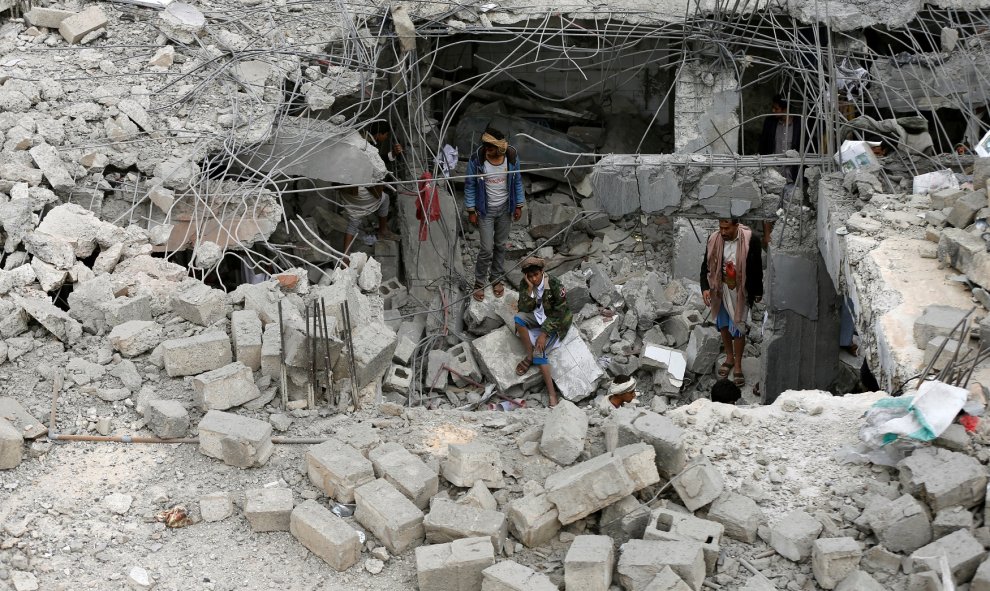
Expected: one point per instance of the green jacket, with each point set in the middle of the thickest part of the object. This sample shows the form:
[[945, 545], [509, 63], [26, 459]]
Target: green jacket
[[554, 305]]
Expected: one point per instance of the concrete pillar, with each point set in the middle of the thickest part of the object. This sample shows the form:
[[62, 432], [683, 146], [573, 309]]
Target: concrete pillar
[[427, 261], [706, 106]]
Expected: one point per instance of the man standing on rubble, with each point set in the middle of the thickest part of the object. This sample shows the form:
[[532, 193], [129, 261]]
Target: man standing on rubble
[[360, 202], [543, 319], [731, 281], [493, 191]]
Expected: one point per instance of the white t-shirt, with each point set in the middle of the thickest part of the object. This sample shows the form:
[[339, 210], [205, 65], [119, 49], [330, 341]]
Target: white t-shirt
[[496, 183], [539, 313], [729, 274]]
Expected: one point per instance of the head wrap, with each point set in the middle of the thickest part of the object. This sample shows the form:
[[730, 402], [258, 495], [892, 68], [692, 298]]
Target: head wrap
[[502, 145], [533, 262]]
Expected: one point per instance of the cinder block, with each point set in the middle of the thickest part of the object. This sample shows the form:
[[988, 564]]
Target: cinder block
[[461, 360], [194, 355], [626, 426], [794, 535], [962, 550], [470, 462], [406, 472], [136, 337], [200, 304], [447, 521], [397, 379], [671, 526], [268, 509], [943, 478], [229, 386], [740, 515], [533, 520], [325, 535], [11, 443], [833, 559], [456, 566], [509, 575], [625, 520], [238, 441], [394, 294], [641, 560], [409, 335], [563, 433], [588, 564], [703, 349], [246, 331], [338, 468], [390, 516], [168, 419], [901, 525]]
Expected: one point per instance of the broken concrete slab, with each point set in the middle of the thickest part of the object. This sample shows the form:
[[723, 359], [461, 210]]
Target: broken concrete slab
[[193, 355], [574, 369], [237, 441], [497, 353], [76, 27], [563, 433], [936, 321], [374, 344], [62, 326], [699, 485], [448, 521], [833, 559], [246, 333], [902, 525], [468, 463], [794, 535], [587, 487], [533, 520], [640, 561], [943, 478], [963, 552], [225, 387], [200, 304], [135, 337], [739, 514]]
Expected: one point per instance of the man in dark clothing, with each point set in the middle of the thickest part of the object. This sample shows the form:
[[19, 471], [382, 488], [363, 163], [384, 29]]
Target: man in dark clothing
[[543, 311], [781, 132], [731, 281], [379, 135]]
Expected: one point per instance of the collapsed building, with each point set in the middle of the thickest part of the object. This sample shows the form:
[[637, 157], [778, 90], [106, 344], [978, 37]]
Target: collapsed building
[[173, 179]]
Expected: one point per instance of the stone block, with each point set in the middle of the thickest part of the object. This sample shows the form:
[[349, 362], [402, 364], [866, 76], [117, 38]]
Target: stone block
[[121, 310], [50, 18], [215, 507], [901, 525], [981, 580], [703, 349], [338, 468], [398, 378], [965, 208], [625, 520], [699, 485], [739, 514], [950, 520], [639, 461], [671, 526], [374, 344], [794, 535], [533, 520], [860, 581], [86, 301], [479, 496], [193, 355], [390, 516], [574, 368], [74, 28], [563, 433], [640, 561], [468, 463], [229, 386], [588, 564], [246, 331], [268, 509], [943, 478], [880, 560], [497, 353], [448, 521], [271, 351], [512, 576], [325, 535], [11, 444], [437, 376], [936, 321], [588, 487], [461, 360], [136, 337], [598, 331], [406, 472], [667, 580], [238, 441], [833, 559], [576, 286], [666, 438], [200, 304], [409, 335], [168, 419], [950, 348], [455, 566], [963, 551]]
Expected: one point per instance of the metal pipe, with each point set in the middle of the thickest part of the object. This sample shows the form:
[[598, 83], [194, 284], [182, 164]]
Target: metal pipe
[[137, 439]]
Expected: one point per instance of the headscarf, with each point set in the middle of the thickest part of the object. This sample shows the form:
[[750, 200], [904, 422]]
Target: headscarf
[[502, 145]]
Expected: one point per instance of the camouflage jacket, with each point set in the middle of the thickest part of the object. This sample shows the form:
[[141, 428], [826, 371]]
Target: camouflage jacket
[[554, 305]]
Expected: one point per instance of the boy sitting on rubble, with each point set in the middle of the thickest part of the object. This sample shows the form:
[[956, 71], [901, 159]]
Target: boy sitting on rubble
[[543, 319]]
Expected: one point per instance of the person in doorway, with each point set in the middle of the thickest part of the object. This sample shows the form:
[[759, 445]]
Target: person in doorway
[[379, 135], [731, 281], [493, 198], [543, 319], [359, 203], [781, 132]]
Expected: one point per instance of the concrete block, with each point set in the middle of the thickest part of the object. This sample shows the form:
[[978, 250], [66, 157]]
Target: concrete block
[[739, 514], [587, 487], [949, 349], [533, 520], [246, 331], [229, 386], [880, 560], [406, 472], [194, 355], [703, 348], [512, 576], [833, 559], [397, 379], [902, 525], [699, 485], [950, 520], [860, 581], [963, 551], [200, 304], [121, 310], [625, 520], [671, 526], [325, 535], [639, 461], [74, 28], [268, 509], [374, 344], [479, 496], [468, 463], [437, 376], [50, 18], [597, 331], [338, 468], [461, 360], [407, 339], [497, 353], [981, 580], [448, 521], [666, 438], [394, 294], [390, 516], [238, 441], [11, 444], [136, 337], [50, 163], [936, 320], [667, 580], [563, 433], [943, 478], [588, 564], [455, 566], [640, 561], [966, 207], [271, 351], [574, 368], [794, 535], [215, 507], [167, 419]]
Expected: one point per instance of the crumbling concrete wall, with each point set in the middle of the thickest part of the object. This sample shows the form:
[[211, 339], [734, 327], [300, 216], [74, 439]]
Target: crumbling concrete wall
[[706, 109]]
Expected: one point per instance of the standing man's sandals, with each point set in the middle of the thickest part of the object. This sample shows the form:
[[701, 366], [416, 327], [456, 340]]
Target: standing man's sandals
[[724, 369], [739, 379], [479, 292], [523, 366], [498, 288]]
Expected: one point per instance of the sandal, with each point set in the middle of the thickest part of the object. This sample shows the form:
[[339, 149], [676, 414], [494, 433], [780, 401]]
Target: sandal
[[724, 369], [524, 365], [738, 379], [498, 288], [479, 292]]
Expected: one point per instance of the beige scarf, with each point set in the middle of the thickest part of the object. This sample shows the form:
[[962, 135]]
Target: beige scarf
[[716, 245]]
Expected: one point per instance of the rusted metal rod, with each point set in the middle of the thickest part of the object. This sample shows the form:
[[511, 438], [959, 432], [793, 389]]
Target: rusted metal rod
[[138, 439]]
